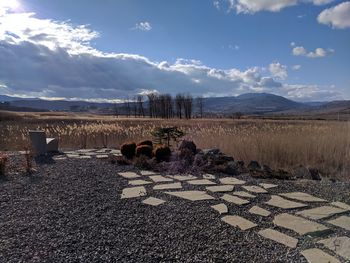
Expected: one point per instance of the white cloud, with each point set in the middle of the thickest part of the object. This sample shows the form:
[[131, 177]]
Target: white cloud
[[337, 16], [143, 26], [52, 59], [296, 67], [317, 53], [278, 70], [253, 6], [216, 3]]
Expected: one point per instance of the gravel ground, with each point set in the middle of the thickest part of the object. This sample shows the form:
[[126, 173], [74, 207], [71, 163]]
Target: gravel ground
[[71, 211]]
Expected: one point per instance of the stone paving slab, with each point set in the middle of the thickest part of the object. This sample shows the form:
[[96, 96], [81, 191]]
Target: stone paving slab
[[240, 222], [321, 212], [268, 186], [102, 156], [300, 225], [167, 186], [341, 205], [132, 192], [139, 182], [342, 221], [243, 194], [192, 195], [144, 172], [231, 180], [160, 179], [85, 150], [73, 155], [340, 245], [183, 177], [234, 199], [280, 202], [201, 182], [209, 176], [255, 189], [153, 201], [129, 175], [315, 255], [279, 237], [221, 208], [220, 188], [304, 197], [259, 211]]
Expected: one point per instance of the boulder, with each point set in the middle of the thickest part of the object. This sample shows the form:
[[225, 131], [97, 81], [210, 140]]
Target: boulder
[[254, 165], [189, 145]]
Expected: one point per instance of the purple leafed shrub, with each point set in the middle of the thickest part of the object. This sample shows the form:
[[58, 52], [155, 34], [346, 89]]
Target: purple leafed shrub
[[128, 149]]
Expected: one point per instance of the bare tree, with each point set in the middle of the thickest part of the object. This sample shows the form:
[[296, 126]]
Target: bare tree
[[179, 101], [140, 105], [199, 101], [188, 106]]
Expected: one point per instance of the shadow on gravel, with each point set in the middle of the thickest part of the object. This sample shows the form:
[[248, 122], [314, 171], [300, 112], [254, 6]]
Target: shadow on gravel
[[45, 159]]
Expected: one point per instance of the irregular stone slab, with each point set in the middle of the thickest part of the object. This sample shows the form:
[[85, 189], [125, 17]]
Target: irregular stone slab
[[59, 158], [144, 172], [192, 195], [201, 182], [160, 179], [85, 150], [268, 186], [231, 180], [300, 225], [280, 202], [243, 194], [139, 182], [300, 196], [183, 177], [315, 255], [221, 208], [129, 175], [255, 189], [209, 176], [220, 188], [167, 186], [153, 201], [340, 245], [321, 212], [102, 156], [234, 199], [83, 157], [259, 211], [341, 205], [239, 222], [132, 192], [342, 221], [73, 155], [279, 237]]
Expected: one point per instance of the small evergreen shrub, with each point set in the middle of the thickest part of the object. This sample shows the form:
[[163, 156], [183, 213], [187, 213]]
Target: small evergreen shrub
[[162, 153], [145, 150], [128, 149]]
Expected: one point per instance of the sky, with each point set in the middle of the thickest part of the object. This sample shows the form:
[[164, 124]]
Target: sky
[[111, 50]]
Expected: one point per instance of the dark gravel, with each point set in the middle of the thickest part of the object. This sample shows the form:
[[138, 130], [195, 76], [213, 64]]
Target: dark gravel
[[71, 211]]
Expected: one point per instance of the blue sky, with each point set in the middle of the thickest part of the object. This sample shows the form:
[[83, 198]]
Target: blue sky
[[113, 49]]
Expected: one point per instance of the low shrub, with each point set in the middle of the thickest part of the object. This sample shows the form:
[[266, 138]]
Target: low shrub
[[128, 149], [146, 142], [188, 145], [145, 150], [162, 153], [3, 164]]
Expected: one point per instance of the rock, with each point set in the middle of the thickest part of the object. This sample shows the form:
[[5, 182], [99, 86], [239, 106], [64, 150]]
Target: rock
[[254, 165], [211, 151], [231, 168], [315, 174]]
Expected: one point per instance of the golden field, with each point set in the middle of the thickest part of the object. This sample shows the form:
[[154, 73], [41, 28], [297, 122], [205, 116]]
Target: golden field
[[278, 143]]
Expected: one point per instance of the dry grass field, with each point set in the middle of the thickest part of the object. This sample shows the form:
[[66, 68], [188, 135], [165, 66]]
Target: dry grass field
[[278, 143]]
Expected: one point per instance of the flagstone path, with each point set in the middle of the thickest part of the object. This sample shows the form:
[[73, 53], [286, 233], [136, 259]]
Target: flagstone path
[[296, 221]]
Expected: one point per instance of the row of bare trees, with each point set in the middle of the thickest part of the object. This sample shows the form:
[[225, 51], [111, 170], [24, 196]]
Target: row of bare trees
[[162, 106]]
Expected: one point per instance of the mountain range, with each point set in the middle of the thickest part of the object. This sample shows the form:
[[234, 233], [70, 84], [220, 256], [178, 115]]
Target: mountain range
[[250, 103]]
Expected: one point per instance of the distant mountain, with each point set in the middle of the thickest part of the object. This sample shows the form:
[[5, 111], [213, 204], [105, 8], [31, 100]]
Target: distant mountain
[[250, 103]]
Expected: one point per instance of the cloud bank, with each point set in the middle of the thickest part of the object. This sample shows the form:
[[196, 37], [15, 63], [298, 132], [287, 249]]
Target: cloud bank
[[338, 16], [54, 59]]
